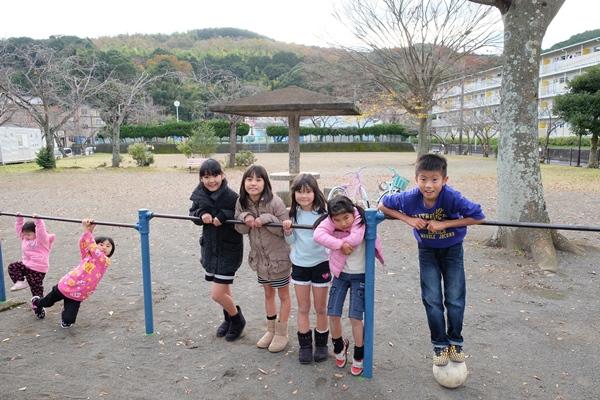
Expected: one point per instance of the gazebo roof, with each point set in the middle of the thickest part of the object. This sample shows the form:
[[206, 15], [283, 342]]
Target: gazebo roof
[[287, 101]]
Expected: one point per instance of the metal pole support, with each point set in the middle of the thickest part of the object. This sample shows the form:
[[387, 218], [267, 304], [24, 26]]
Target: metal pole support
[[372, 217], [143, 225], [2, 289]]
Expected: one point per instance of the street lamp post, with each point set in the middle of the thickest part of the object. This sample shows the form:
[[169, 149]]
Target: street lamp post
[[176, 104]]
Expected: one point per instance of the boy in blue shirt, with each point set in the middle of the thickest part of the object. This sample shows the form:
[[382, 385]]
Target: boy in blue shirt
[[439, 215]]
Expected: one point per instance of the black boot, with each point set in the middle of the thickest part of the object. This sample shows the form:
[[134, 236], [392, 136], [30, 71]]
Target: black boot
[[305, 355], [238, 322], [224, 327], [321, 350]]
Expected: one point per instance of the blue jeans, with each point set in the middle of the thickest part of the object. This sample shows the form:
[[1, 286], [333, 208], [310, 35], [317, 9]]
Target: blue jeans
[[445, 266], [337, 296]]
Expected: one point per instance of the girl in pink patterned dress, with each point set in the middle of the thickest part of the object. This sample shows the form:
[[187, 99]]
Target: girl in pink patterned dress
[[81, 282]]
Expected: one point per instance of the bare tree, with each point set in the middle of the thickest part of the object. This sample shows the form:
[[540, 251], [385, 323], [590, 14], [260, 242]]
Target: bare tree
[[223, 86], [414, 45], [553, 124], [49, 87], [7, 110], [117, 100], [520, 189]]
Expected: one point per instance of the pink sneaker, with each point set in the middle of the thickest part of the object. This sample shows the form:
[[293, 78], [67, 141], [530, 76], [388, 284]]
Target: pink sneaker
[[342, 357], [357, 367], [19, 285]]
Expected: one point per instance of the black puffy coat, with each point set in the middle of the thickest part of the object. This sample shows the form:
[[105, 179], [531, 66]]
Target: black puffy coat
[[221, 247]]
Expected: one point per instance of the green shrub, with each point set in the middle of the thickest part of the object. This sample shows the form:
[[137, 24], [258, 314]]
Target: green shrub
[[45, 158], [203, 141], [138, 152], [244, 158]]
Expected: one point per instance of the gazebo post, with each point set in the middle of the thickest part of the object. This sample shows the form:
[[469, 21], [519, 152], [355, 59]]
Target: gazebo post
[[294, 144]]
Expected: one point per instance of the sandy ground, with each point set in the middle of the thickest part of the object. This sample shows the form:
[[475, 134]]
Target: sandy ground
[[527, 335]]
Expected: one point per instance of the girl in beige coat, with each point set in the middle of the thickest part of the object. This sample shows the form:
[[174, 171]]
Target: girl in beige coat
[[269, 253]]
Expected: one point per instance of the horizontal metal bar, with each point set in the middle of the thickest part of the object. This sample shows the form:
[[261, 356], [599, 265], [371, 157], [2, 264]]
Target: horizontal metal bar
[[539, 225], [78, 221], [229, 221]]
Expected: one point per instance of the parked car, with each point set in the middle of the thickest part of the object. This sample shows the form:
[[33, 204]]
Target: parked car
[[89, 151], [68, 152]]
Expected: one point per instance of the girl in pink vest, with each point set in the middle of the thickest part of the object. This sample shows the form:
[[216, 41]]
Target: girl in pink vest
[[36, 244], [81, 282]]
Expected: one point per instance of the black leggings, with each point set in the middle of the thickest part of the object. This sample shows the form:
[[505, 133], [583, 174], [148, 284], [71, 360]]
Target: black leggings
[[71, 307]]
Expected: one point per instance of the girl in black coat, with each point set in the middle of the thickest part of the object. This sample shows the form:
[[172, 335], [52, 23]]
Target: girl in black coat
[[221, 245]]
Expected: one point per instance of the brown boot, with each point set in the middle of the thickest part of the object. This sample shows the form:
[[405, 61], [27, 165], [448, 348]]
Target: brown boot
[[267, 338], [280, 340]]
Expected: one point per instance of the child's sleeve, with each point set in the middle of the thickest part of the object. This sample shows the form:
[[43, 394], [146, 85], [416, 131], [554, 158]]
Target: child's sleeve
[[290, 239], [240, 214], [41, 234], [394, 201], [468, 209], [357, 233], [87, 244], [227, 211], [199, 207], [19, 227], [279, 215]]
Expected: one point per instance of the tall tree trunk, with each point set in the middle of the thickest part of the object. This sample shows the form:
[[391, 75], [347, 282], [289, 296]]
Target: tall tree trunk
[[424, 140], [520, 190], [116, 142], [593, 160], [232, 143]]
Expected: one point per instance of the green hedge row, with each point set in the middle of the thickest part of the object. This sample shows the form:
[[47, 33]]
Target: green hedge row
[[344, 147], [170, 148], [375, 130], [182, 129]]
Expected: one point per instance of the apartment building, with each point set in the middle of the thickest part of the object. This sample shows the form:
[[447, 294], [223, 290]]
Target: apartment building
[[473, 101]]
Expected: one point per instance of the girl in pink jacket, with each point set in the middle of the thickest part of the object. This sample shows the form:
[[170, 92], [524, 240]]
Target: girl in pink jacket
[[36, 244], [343, 233], [81, 282]]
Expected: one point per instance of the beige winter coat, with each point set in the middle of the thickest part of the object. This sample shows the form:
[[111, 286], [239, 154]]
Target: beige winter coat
[[269, 253]]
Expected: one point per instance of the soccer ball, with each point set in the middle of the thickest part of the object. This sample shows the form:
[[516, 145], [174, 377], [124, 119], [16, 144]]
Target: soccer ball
[[452, 375]]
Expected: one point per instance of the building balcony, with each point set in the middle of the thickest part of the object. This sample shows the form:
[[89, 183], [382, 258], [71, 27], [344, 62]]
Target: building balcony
[[483, 85], [584, 61], [553, 90]]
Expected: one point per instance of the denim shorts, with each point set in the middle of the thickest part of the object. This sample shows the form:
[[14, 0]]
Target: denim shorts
[[337, 296]]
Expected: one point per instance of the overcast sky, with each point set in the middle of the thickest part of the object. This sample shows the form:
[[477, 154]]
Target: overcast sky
[[308, 22]]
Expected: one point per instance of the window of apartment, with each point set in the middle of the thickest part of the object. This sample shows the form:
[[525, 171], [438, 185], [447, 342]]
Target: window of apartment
[[561, 80]]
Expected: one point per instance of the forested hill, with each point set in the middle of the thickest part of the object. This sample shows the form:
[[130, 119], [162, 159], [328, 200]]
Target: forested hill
[[580, 37], [199, 43]]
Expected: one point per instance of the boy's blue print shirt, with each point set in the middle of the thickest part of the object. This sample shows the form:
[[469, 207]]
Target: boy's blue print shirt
[[450, 204]]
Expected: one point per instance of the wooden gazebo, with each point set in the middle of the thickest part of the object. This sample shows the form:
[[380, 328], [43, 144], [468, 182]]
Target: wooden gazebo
[[292, 102]]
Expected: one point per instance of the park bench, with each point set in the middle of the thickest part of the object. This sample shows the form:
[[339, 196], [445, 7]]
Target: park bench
[[194, 163]]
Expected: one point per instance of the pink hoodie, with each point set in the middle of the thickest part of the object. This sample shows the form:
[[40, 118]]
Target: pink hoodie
[[327, 236], [35, 253], [81, 282]]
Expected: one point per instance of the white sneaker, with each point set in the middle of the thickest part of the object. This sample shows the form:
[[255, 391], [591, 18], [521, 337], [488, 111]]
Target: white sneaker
[[19, 285]]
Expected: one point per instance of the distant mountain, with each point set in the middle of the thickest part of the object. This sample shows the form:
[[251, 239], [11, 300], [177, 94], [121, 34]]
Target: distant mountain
[[200, 43], [580, 37]]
